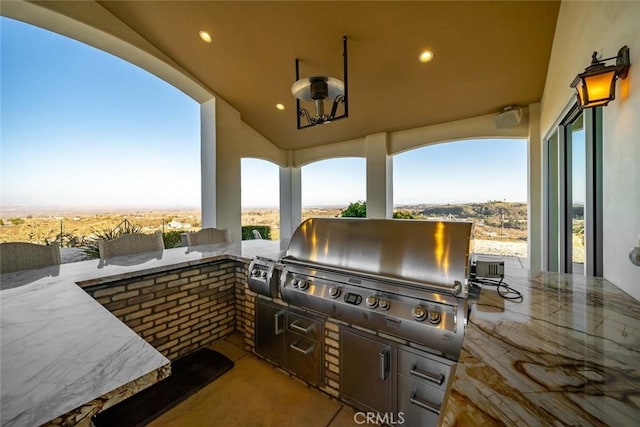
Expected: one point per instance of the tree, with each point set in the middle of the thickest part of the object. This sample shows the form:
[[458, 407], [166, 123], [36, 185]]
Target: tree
[[355, 210], [403, 215]]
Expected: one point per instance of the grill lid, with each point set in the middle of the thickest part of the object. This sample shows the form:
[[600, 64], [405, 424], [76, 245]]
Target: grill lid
[[432, 253]]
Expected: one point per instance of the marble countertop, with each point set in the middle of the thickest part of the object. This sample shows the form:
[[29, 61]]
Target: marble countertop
[[62, 352], [568, 354]]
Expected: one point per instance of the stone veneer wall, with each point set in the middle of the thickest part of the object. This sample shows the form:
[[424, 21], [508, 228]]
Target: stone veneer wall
[[176, 311], [331, 358], [181, 310], [245, 307]]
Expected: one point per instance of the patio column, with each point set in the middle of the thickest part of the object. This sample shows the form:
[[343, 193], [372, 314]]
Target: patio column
[[379, 176], [290, 200], [534, 165], [220, 155]]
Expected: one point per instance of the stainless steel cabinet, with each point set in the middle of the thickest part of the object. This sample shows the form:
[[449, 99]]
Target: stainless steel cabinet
[[393, 380], [270, 328], [291, 339], [422, 384], [303, 347], [366, 371]]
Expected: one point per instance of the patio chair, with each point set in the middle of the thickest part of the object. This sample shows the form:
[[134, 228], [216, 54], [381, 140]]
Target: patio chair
[[17, 256], [129, 244], [208, 236]]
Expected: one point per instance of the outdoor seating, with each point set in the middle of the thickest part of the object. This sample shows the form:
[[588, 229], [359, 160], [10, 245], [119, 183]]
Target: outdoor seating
[[208, 236], [17, 256], [129, 244]]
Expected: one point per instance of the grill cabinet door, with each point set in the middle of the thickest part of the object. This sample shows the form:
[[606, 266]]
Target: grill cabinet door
[[270, 327], [366, 372]]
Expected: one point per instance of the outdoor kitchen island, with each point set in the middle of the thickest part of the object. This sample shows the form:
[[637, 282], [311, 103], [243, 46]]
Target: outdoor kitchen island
[[570, 353]]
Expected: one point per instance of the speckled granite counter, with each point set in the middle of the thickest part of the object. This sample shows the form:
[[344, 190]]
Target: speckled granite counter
[[63, 355], [569, 354]]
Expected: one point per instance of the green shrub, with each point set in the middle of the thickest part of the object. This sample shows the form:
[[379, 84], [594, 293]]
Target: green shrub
[[355, 210], [403, 215], [264, 230], [16, 221], [172, 239]]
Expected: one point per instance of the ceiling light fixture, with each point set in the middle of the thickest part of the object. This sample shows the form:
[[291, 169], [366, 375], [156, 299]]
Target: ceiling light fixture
[[596, 86], [317, 89], [206, 37], [280, 107], [426, 56]]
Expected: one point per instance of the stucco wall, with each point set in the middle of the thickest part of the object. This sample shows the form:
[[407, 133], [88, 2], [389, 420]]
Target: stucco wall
[[605, 26]]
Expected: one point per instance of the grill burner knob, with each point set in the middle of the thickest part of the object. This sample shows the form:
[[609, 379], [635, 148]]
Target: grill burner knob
[[263, 274], [303, 284], [334, 292], [255, 272], [419, 313], [434, 317], [294, 283], [384, 305], [371, 301]]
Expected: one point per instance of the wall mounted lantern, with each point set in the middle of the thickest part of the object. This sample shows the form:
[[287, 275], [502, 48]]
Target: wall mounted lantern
[[597, 84], [317, 89]]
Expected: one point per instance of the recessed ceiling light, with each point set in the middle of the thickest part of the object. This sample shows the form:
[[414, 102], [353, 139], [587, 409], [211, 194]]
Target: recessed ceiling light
[[280, 107], [426, 56], [205, 36]]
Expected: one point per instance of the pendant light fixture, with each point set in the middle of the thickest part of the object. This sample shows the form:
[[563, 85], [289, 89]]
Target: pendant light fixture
[[318, 89]]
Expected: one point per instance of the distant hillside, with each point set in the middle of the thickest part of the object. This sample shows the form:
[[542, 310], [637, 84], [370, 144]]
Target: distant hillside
[[479, 210]]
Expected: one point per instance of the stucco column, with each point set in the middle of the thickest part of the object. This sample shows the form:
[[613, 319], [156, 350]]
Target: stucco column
[[379, 176], [534, 196], [290, 200], [220, 155]]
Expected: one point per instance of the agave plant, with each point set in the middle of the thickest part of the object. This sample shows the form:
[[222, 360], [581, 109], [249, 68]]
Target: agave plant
[[125, 227]]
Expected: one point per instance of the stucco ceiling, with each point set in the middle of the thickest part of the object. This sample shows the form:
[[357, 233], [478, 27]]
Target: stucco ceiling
[[488, 55]]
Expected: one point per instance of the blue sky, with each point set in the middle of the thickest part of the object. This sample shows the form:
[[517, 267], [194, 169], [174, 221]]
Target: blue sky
[[82, 128]]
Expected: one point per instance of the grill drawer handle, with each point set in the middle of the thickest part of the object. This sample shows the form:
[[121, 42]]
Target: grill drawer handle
[[306, 352], [424, 404], [436, 379], [276, 317], [294, 325], [383, 365]]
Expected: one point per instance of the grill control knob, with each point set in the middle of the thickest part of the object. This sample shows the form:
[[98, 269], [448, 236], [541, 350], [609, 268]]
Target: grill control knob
[[384, 305], [303, 284], [334, 292], [255, 272], [263, 274], [294, 283], [371, 301], [434, 317], [419, 313]]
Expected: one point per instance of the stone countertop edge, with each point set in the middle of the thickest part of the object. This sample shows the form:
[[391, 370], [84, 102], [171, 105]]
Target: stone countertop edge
[[61, 379]]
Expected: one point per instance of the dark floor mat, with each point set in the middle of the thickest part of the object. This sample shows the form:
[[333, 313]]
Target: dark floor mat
[[188, 375]]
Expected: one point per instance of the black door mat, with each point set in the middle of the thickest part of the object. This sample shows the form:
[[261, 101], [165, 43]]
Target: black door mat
[[188, 375]]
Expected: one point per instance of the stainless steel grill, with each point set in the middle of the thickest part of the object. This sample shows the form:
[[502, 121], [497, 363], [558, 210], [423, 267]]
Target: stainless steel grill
[[382, 279], [404, 278]]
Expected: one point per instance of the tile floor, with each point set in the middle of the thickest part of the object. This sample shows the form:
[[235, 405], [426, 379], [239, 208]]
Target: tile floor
[[254, 393]]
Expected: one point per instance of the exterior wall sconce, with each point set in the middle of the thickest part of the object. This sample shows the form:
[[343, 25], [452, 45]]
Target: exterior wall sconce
[[317, 89], [596, 86]]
